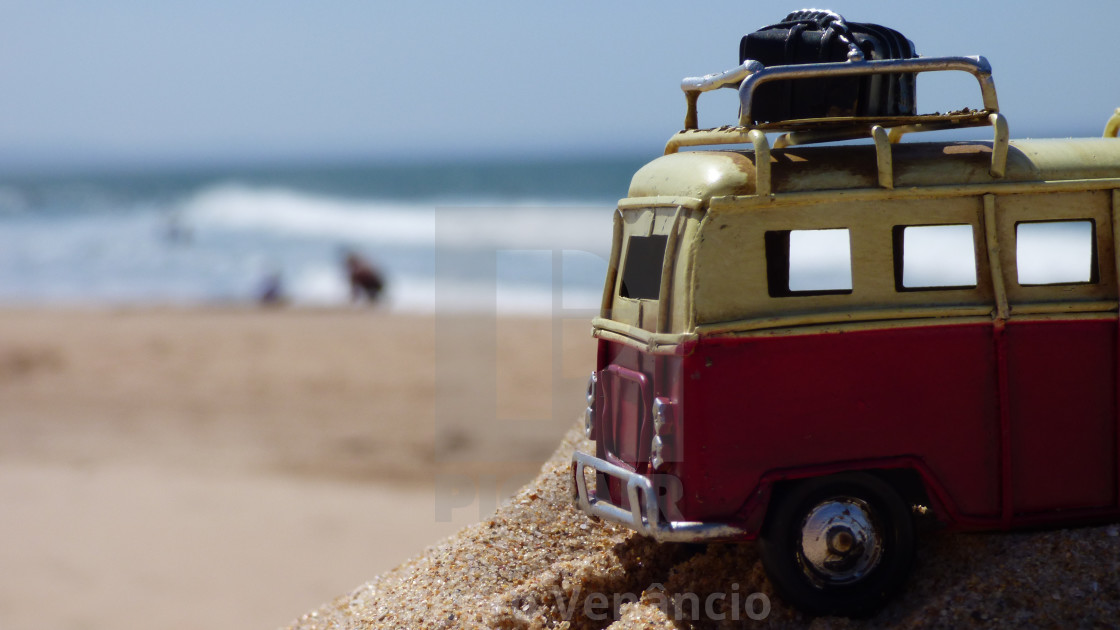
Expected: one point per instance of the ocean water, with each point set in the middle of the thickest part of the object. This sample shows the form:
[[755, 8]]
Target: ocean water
[[516, 237]]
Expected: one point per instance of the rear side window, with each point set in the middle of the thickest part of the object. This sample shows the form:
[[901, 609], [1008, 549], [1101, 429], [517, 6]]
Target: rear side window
[[641, 273], [1056, 252], [808, 262], [928, 257]]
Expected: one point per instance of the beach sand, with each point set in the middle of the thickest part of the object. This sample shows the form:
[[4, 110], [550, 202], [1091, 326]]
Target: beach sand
[[235, 467]]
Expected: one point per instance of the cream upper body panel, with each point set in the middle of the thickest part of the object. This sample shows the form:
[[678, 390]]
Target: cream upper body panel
[[717, 266]]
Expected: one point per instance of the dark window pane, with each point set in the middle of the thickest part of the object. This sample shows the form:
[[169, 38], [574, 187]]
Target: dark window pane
[[641, 275]]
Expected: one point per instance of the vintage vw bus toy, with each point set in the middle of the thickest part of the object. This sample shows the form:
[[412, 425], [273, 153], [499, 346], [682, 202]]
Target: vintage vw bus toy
[[821, 345]]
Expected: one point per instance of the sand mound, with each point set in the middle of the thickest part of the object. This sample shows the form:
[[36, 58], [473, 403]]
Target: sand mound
[[538, 563]]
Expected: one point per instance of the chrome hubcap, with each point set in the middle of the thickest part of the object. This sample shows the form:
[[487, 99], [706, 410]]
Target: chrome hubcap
[[840, 541]]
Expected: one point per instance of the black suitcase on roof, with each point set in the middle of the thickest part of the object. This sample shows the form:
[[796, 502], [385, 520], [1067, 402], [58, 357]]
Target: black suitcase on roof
[[812, 36]]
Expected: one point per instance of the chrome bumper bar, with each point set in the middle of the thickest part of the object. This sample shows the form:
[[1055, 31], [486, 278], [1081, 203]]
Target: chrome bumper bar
[[644, 516]]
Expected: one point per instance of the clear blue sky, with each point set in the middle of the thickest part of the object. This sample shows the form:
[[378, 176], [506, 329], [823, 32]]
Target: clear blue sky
[[127, 81]]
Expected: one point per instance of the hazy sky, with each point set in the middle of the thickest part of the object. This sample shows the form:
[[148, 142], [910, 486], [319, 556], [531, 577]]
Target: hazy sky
[[134, 82]]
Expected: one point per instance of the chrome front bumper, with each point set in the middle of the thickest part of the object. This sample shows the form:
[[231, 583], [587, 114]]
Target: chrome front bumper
[[644, 516]]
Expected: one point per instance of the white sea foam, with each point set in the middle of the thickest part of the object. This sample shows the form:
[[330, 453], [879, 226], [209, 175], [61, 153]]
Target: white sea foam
[[220, 243], [421, 295], [278, 211], [318, 285], [237, 207]]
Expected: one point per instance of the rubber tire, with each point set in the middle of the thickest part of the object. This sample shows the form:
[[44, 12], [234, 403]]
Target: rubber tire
[[780, 546]]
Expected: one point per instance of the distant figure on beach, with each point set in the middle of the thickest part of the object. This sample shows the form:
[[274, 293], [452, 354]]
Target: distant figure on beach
[[271, 291], [365, 280], [175, 231]]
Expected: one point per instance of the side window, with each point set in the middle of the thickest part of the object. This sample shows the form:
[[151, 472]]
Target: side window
[[808, 262], [928, 257], [641, 273], [1056, 252]]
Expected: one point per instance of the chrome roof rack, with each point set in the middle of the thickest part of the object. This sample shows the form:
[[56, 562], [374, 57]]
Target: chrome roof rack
[[884, 130]]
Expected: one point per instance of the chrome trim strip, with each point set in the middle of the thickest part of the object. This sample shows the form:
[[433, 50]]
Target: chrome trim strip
[[643, 515]]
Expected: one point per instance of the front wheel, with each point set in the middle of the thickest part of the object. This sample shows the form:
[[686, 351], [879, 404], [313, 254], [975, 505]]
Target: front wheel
[[838, 545]]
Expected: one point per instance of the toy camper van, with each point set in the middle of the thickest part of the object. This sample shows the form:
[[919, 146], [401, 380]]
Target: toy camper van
[[820, 346]]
